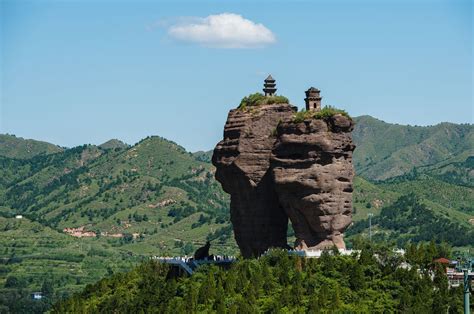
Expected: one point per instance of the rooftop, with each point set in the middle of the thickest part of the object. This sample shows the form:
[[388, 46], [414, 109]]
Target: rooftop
[[269, 78], [313, 89]]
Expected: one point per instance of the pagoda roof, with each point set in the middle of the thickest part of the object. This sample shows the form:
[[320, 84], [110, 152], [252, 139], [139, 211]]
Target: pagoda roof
[[313, 89], [269, 78]]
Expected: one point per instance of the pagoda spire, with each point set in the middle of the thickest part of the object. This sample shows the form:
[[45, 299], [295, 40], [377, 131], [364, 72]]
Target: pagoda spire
[[269, 86]]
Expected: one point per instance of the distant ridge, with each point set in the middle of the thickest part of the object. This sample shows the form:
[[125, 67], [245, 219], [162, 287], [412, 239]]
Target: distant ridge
[[20, 148], [113, 144], [386, 150]]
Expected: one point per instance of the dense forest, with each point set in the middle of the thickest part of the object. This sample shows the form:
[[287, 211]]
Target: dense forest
[[375, 281]]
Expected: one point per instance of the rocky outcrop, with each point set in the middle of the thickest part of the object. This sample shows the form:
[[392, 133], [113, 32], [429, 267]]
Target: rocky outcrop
[[242, 161], [275, 169], [312, 170]]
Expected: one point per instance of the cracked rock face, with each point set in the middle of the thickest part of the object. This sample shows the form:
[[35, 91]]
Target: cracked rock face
[[275, 169], [242, 161], [312, 170]]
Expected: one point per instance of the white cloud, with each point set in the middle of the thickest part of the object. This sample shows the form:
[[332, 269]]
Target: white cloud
[[226, 30]]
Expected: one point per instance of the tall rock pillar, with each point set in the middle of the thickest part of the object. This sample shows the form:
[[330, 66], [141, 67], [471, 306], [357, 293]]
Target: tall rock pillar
[[312, 170], [242, 161]]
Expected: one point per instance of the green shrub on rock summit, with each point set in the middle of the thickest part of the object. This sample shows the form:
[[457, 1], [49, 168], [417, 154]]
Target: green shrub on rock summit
[[258, 99], [326, 112]]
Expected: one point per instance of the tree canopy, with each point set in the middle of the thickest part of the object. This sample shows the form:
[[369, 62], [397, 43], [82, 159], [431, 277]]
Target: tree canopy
[[373, 281]]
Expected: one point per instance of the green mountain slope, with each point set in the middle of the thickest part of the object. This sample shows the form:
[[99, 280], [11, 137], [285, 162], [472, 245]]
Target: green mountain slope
[[387, 150], [444, 209], [20, 148], [434, 164], [153, 185], [411, 219], [460, 198], [458, 170]]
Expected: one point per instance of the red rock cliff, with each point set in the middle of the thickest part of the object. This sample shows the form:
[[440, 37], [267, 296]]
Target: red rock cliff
[[275, 169], [312, 170], [242, 161]]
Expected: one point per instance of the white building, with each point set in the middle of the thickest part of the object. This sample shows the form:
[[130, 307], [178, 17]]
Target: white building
[[37, 295]]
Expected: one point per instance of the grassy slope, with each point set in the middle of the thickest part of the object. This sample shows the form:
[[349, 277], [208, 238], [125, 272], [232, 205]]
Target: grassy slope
[[450, 196], [369, 198], [387, 150], [17, 147]]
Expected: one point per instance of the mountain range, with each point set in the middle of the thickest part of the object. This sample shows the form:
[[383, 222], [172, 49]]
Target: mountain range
[[92, 210]]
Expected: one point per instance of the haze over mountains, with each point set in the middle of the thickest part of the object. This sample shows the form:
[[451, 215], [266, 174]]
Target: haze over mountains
[[88, 205]]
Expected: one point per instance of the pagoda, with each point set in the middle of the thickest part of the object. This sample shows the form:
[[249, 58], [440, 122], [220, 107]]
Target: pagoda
[[313, 100], [269, 86]]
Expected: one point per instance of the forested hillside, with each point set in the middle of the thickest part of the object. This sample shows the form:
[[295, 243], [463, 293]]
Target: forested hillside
[[410, 220]]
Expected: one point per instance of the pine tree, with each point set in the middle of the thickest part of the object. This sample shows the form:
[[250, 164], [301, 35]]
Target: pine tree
[[257, 281], [357, 278], [441, 296], [219, 305], [335, 301], [269, 281], [297, 290], [207, 292], [230, 282], [323, 296], [191, 299], [313, 304]]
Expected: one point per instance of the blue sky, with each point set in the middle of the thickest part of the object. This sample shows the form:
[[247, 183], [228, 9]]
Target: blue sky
[[75, 72]]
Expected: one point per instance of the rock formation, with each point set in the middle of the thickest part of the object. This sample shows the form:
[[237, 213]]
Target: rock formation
[[312, 170], [275, 168], [242, 163]]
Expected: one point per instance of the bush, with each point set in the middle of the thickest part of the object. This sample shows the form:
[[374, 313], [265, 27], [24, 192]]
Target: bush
[[325, 113], [259, 99], [15, 282]]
